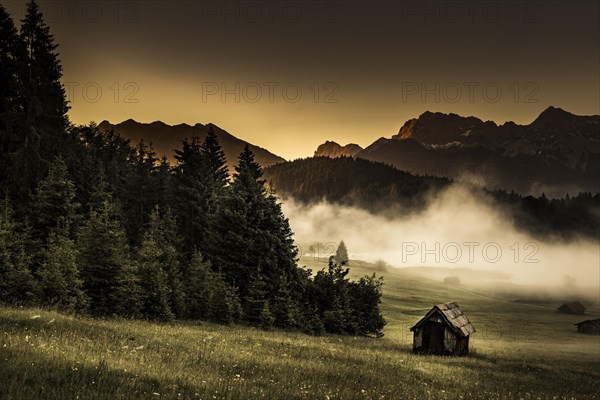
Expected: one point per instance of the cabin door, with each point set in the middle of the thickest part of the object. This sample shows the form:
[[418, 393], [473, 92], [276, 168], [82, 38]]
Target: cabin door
[[433, 337]]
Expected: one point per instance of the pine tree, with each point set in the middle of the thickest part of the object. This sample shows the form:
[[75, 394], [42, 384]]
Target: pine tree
[[170, 259], [255, 299], [250, 222], [201, 175], [208, 296], [17, 285], [225, 306], [54, 203], [140, 189], [109, 275], [40, 122], [266, 318], [59, 277], [341, 254], [156, 294], [11, 50], [198, 278], [190, 193], [41, 74], [216, 163], [284, 306]]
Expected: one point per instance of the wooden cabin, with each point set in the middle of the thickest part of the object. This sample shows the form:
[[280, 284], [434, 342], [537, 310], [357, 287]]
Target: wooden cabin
[[443, 330], [591, 326], [573, 307]]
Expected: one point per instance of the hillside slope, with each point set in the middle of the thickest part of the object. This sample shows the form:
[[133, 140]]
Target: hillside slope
[[518, 350]]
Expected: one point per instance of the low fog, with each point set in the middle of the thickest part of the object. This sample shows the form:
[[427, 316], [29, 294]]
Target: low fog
[[458, 229]]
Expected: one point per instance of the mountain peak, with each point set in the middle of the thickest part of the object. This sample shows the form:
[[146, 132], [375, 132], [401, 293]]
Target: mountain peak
[[333, 149], [437, 128]]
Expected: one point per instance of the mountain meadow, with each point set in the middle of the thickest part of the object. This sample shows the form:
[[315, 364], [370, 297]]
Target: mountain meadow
[[521, 350], [200, 266]]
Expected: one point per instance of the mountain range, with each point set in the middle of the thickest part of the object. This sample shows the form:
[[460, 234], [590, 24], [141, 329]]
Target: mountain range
[[558, 152], [165, 138]]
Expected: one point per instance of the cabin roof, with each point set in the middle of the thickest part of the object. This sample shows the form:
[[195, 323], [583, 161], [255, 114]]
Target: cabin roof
[[452, 315], [574, 306], [595, 322]]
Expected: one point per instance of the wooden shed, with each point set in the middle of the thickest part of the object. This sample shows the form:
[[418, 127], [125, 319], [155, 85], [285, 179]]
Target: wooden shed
[[443, 330], [591, 326], [573, 307]]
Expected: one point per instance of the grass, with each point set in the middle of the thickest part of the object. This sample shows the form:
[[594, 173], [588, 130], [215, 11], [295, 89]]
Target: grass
[[519, 351]]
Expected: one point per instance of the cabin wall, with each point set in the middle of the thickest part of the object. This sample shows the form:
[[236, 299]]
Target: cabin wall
[[449, 340], [462, 345], [588, 328], [418, 339]]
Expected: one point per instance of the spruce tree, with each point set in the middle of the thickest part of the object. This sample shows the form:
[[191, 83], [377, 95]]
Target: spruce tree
[[201, 176], [253, 238], [60, 282], [225, 306], [284, 307], [198, 278], [255, 299], [215, 161], [208, 296], [170, 259], [109, 275], [54, 203], [157, 294], [40, 123], [341, 254], [41, 73], [190, 193], [140, 189], [17, 285], [11, 50]]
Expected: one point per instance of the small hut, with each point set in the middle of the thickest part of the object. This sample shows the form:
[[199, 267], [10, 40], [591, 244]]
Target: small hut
[[573, 307], [591, 326], [443, 330]]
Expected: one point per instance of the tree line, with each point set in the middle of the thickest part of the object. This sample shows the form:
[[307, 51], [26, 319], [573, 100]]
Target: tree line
[[90, 223], [381, 189]]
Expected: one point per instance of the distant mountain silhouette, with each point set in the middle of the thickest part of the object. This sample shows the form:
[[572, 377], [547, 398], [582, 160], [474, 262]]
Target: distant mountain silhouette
[[333, 149], [559, 152], [165, 138]]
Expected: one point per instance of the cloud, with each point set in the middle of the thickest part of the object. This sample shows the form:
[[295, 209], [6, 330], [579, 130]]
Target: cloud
[[458, 229]]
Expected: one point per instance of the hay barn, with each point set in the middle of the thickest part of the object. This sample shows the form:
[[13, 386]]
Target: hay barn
[[591, 326], [443, 330], [573, 307]]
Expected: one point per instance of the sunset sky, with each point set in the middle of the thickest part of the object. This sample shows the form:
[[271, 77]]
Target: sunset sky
[[289, 75]]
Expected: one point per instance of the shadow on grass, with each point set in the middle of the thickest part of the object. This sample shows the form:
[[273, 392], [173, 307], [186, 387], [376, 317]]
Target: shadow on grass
[[29, 374]]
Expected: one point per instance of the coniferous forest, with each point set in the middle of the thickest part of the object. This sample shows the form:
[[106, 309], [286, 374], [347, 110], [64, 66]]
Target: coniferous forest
[[93, 224]]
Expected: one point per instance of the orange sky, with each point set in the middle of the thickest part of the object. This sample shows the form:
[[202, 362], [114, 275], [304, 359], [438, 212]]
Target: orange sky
[[362, 69]]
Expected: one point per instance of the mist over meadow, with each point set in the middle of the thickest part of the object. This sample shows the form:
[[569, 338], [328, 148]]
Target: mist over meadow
[[457, 229]]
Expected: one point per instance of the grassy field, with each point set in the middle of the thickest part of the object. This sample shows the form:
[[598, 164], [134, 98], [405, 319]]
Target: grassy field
[[520, 351]]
